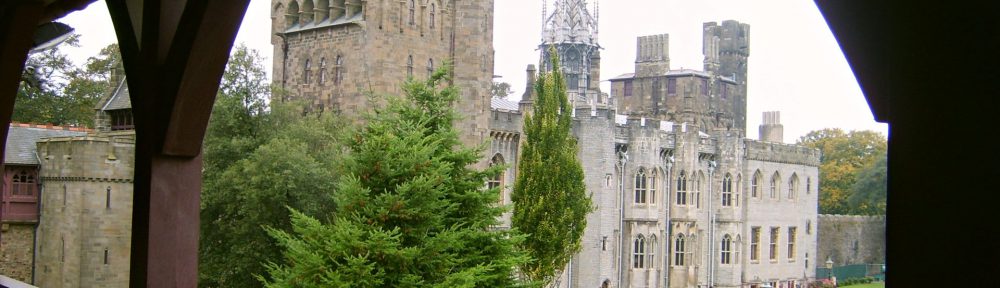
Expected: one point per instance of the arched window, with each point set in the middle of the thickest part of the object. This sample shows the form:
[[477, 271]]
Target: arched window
[[639, 252], [775, 185], [409, 65], [497, 180], [679, 250], [339, 9], [307, 12], [338, 74], [430, 67], [323, 12], [322, 70], [682, 189], [433, 14], [793, 186], [808, 185], [727, 190], [292, 14], [413, 9], [640, 186], [651, 252], [652, 186], [726, 249], [306, 71], [755, 184]]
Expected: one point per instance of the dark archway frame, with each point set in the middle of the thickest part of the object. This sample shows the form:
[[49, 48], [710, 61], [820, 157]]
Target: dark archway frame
[[174, 53]]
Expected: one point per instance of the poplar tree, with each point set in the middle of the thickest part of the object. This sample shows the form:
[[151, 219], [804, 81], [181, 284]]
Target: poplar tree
[[410, 211], [550, 200]]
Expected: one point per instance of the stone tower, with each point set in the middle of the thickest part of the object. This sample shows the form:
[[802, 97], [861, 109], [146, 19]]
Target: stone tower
[[771, 129], [572, 30], [335, 54], [652, 56], [726, 48]]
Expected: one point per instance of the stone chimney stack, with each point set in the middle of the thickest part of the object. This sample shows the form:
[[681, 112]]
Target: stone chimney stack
[[528, 98], [771, 129]]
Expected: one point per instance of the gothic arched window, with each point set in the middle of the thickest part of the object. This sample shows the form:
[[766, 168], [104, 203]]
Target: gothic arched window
[[755, 183], [727, 190], [322, 70], [413, 10], [793, 186], [639, 252], [497, 180], [338, 74], [651, 253], [306, 71], [679, 250], [726, 249], [292, 14], [652, 186], [682, 189], [640, 186], [775, 185], [433, 14]]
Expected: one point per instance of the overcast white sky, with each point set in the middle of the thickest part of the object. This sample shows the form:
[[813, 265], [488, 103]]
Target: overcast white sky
[[795, 64]]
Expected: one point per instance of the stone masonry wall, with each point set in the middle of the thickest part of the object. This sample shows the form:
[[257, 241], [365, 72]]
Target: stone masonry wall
[[849, 239], [17, 250]]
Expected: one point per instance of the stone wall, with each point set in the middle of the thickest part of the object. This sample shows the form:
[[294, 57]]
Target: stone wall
[[850, 239], [16, 251], [85, 227]]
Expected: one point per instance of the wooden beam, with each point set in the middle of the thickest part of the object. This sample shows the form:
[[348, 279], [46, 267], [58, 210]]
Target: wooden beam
[[174, 53], [18, 20]]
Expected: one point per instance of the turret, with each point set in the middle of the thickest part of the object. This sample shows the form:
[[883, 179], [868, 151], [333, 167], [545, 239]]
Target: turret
[[771, 129], [528, 98], [652, 56]]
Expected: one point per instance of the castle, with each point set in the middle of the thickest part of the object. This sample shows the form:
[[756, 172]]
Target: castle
[[683, 198]]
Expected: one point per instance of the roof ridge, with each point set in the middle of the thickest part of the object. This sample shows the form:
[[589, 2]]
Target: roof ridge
[[49, 126]]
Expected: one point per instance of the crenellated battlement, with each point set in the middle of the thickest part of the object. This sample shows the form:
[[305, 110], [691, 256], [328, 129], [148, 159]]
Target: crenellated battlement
[[782, 153]]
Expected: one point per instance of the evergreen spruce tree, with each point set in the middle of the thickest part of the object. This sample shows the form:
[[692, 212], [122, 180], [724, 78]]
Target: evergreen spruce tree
[[550, 200], [410, 212]]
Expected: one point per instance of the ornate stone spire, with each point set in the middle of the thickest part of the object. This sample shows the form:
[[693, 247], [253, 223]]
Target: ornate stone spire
[[570, 22]]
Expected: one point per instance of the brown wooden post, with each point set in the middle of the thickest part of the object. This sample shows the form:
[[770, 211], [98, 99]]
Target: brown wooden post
[[174, 53]]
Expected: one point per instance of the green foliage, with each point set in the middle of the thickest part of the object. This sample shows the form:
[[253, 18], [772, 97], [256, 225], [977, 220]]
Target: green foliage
[[258, 162], [56, 91], [844, 155], [550, 201], [500, 89], [869, 191], [410, 212]]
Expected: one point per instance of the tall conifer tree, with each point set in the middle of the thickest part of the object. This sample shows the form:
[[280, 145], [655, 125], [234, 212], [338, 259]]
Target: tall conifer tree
[[550, 200], [411, 212]]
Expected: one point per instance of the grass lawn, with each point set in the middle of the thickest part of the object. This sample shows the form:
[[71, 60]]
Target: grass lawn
[[869, 285]]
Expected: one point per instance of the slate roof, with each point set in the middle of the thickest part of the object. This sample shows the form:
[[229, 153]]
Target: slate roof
[[21, 139], [501, 104], [120, 99]]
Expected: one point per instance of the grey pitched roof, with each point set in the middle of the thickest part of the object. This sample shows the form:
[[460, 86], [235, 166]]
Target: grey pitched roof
[[501, 104], [120, 99], [21, 139]]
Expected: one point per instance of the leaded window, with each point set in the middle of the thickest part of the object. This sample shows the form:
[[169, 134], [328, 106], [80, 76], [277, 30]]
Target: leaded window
[[727, 190], [726, 250], [640, 187], [679, 250], [639, 252], [682, 189]]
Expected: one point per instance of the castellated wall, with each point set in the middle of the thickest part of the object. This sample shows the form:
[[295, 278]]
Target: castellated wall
[[851, 239], [86, 211], [17, 250]]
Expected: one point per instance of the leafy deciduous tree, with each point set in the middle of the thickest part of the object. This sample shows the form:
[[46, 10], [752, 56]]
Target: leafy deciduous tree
[[844, 154], [258, 161]]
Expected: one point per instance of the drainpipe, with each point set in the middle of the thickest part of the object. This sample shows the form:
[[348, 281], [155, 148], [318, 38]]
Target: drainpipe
[[669, 163], [622, 159], [711, 226]]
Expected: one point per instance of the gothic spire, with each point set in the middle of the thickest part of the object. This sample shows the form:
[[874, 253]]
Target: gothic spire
[[570, 22]]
